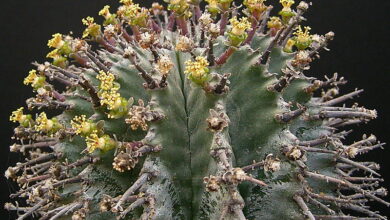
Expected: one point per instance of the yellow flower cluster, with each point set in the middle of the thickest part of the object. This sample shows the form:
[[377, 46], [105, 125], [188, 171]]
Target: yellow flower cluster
[[103, 143], [302, 38], [30, 79], [109, 18], [110, 96], [180, 7], [106, 80], [164, 65], [287, 4], [239, 26], [43, 123], [303, 35], [134, 14], [275, 23], [105, 12], [286, 12], [49, 126], [92, 29], [108, 90], [94, 142], [56, 42], [197, 70], [17, 115], [81, 125], [126, 2], [255, 5], [37, 81]]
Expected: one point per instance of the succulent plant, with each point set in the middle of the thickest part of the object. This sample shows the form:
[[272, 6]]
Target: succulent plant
[[191, 114]]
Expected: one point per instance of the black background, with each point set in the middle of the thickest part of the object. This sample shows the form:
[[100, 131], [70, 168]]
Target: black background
[[360, 52]]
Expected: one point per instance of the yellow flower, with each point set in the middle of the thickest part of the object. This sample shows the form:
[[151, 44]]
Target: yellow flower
[[94, 142], [302, 39], [56, 41], [286, 12], [103, 143], [43, 123], [17, 115], [180, 7], [54, 54], [255, 5], [105, 12], [197, 70], [213, 6], [287, 4], [239, 26], [164, 65], [24, 120], [92, 29], [274, 22], [106, 80], [36, 81], [126, 2], [111, 98], [109, 95], [32, 76], [82, 126]]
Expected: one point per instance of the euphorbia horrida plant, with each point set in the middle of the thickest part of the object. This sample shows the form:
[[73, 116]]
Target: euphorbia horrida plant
[[192, 114]]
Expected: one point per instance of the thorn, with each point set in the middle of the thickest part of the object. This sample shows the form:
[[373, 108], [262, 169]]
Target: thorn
[[23, 147], [264, 18], [265, 56], [86, 85], [342, 99], [343, 217], [321, 205], [137, 203], [357, 165], [345, 183], [130, 191], [33, 209], [304, 207], [289, 116]]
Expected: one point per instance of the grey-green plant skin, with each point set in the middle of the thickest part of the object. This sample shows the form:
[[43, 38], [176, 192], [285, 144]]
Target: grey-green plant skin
[[291, 138]]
